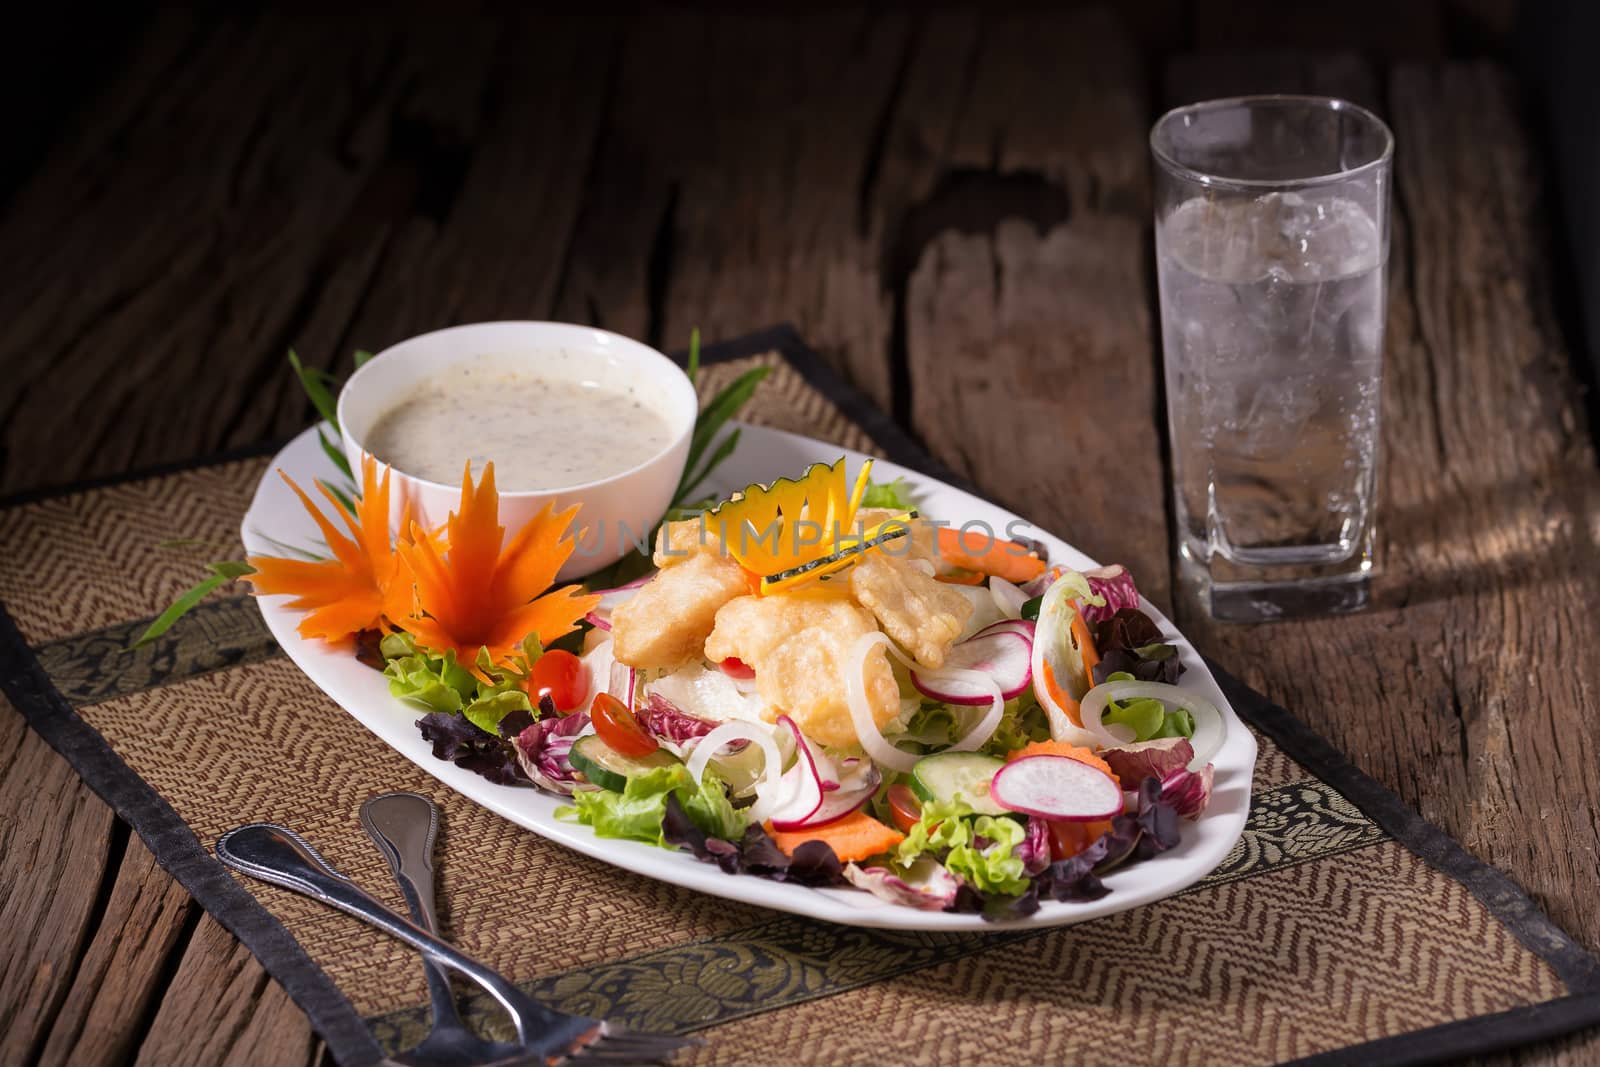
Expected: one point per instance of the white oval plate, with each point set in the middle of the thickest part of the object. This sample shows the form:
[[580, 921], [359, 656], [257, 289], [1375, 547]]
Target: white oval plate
[[276, 518]]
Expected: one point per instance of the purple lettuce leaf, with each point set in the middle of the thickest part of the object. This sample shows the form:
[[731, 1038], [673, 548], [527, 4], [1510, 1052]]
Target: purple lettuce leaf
[[926, 885], [1157, 819], [458, 741], [813, 863]]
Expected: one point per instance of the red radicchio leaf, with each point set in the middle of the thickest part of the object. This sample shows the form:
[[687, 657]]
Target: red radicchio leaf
[[544, 748], [1034, 851], [668, 722], [1133, 763], [926, 884], [1188, 792], [1115, 585]]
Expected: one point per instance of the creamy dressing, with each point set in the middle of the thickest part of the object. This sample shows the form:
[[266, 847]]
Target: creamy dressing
[[541, 433]]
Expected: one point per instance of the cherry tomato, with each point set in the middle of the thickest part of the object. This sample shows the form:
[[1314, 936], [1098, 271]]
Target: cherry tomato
[[1067, 839], [617, 726], [905, 807], [561, 675], [734, 667]]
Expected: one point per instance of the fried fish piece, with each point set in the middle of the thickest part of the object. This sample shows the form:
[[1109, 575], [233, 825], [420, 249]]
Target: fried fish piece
[[921, 545], [924, 616], [799, 645], [666, 622], [680, 541]]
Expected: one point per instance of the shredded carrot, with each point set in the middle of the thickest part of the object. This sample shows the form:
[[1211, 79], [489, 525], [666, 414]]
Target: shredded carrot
[[854, 837], [1085, 642], [474, 590], [975, 550], [1060, 748], [1068, 705]]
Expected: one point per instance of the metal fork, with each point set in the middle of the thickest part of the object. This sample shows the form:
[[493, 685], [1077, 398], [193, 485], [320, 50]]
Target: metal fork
[[278, 855], [404, 826]]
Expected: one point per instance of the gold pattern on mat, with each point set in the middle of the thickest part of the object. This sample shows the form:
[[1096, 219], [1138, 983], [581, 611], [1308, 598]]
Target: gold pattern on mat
[[1305, 959], [95, 666]]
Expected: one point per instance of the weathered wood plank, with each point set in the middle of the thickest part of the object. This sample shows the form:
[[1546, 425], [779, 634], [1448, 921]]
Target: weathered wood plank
[[222, 1008], [55, 840], [118, 980], [725, 194], [1029, 343]]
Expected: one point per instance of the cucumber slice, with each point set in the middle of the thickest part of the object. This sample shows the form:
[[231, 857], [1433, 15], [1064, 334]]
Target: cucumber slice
[[610, 769], [944, 774]]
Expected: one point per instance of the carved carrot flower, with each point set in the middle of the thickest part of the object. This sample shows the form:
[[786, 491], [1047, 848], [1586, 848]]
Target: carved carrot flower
[[472, 590], [346, 594]]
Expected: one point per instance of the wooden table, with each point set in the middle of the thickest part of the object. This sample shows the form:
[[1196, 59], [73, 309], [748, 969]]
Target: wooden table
[[954, 209]]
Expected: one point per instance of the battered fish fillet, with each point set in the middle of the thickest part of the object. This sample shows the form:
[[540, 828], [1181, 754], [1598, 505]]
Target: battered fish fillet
[[666, 623], [924, 616], [799, 647], [678, 542], [922, 535]]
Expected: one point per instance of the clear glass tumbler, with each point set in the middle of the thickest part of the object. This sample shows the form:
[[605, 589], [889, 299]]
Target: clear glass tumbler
[[1272, 246]]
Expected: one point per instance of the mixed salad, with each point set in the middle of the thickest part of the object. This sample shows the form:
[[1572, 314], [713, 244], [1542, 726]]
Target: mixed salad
[[939, 717]]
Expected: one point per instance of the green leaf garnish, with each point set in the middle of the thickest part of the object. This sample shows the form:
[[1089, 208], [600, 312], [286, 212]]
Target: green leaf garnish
[[722, 408], [315, 382], [221, 574], [340, 460]]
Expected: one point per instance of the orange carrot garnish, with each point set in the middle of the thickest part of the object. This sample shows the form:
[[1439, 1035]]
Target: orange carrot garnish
[[344, 595], [470, 590]]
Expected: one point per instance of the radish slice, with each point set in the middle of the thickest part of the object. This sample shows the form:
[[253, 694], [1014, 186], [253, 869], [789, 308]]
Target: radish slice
[[1209, 729], [805, 784], [1003, 655], [769, 787], [1007, 597], [1056, 787], [1026, 627]]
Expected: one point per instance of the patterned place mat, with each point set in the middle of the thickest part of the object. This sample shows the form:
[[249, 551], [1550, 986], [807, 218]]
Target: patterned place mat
[[1341, 927]]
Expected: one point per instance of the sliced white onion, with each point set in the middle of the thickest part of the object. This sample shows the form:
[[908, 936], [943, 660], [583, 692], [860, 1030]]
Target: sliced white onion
[[623, 683], [1049, 635], [1007, 597], [1209, 728], [768, 787], [872, 740], [597, 664]]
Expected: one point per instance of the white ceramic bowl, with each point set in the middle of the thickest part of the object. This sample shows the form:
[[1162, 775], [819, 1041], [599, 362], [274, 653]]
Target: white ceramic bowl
[[617, 511]]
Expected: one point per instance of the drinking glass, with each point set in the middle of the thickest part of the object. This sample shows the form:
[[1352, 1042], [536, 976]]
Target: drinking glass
[[1272, 244]]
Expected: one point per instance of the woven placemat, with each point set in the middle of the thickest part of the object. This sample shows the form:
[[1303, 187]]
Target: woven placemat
[[1341, 927]]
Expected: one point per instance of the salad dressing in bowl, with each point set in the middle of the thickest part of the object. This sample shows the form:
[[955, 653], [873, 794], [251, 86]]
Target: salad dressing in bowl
[[540, 433]]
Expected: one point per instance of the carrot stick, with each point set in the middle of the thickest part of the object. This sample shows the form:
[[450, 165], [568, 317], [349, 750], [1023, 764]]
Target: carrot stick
[[975, 550]]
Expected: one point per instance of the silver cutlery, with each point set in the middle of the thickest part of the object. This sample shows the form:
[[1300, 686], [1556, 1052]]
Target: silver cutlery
[[278, 855], [405, 826]]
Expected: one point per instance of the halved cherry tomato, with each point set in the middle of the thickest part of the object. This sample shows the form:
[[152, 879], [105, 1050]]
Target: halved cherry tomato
[[560, 674], [905, 807], [1067, 839], [618, 727], [734, 667]]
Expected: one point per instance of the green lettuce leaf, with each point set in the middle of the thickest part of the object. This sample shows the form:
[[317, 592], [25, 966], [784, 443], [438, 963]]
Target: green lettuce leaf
[[979, 848], [437, 683], [635, 813], [1147, 717], [1024, 721], [895, 494]]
